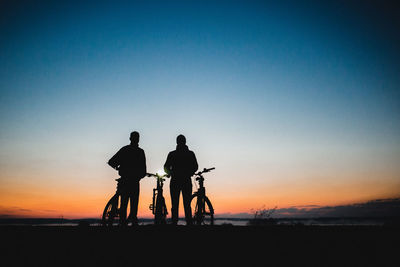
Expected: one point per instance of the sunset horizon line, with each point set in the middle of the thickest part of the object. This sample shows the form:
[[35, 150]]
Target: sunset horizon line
[[296, 211]]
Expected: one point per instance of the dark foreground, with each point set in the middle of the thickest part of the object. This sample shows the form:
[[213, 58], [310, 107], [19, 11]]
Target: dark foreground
[[200, 246]]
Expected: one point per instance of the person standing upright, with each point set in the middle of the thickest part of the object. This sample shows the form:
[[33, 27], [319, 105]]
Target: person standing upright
[[181, 164], [130, 161]]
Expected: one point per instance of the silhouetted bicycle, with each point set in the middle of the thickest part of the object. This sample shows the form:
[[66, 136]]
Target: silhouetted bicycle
[[203, 209], [111, 212], [158, 207]]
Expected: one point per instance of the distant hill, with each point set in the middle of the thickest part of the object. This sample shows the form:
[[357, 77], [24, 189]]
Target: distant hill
[[378, 208]]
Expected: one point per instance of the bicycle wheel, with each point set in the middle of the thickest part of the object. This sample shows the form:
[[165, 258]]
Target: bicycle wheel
[[161, 211], [203, 210], [110, 211]]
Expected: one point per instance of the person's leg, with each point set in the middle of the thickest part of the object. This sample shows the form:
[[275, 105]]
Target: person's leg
[[123, 207], [134, 201], [187, 195], [174, 191]]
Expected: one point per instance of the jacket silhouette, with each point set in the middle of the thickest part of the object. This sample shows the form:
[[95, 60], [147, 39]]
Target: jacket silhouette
[[130, 161], [181, 164]]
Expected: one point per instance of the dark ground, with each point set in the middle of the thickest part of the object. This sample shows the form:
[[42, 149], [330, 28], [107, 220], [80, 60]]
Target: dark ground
[[200, 246]]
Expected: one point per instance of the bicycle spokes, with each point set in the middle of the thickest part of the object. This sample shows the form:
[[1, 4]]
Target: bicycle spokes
[[111, 211]]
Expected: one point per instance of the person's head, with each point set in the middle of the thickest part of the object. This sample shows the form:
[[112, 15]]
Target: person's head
[[134, 137], [181, 140]]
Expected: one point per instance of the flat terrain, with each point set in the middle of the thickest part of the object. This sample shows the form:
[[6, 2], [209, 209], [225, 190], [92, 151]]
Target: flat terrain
[[200, 246]]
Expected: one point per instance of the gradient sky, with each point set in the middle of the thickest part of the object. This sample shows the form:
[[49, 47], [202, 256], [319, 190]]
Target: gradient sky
[[296, 103]]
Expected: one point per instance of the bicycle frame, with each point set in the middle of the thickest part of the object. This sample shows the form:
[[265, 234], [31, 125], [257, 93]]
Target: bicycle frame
[[201, 191]]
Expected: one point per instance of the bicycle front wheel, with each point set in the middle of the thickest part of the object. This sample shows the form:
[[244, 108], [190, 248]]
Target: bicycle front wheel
[[203, 211], [161, 211], [110, 211]]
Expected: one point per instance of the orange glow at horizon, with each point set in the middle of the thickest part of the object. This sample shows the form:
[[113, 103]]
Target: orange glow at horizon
[[77, 201]]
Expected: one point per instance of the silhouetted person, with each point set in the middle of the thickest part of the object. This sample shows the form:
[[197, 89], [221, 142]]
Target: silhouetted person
[[181, 164], [130, 161]]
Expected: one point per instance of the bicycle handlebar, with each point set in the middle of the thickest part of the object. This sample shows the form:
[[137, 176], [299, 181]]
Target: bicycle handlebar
[[168, 176], [204, 171], [156, 175]]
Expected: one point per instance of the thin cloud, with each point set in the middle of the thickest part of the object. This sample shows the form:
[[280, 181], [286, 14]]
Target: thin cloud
[[15, 212]]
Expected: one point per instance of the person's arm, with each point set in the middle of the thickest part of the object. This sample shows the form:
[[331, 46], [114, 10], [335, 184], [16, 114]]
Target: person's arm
[[195, 165], [114, 162], [143, 165], [167, 165]]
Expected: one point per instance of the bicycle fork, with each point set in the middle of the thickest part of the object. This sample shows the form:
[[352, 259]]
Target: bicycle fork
[[153, 204]]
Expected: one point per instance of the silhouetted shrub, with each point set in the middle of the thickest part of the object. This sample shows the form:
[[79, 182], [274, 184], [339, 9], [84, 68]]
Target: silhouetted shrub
[[262, 217]]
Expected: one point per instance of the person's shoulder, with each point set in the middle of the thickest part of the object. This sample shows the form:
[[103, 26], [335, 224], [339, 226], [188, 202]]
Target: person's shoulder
[[134, 148], [172, 153], [124, 148]]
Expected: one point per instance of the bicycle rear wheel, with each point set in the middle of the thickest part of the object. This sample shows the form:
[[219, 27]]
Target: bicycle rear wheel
[[203, 210], [110, 211]]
